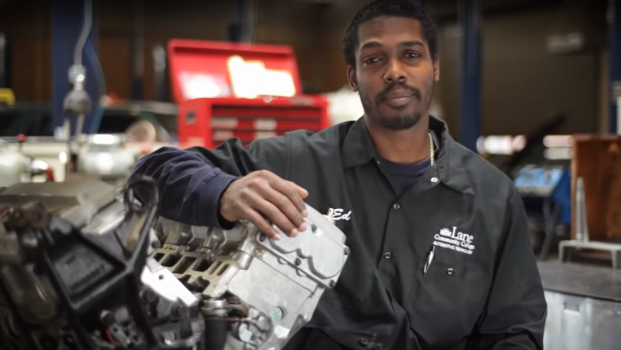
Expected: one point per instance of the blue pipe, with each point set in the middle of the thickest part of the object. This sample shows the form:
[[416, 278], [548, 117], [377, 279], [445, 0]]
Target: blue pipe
[[67, 22], [470, 74], [100, 79], [4, 61], [614, 43]]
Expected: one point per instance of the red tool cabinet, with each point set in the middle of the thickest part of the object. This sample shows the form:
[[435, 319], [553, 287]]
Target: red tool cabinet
[[207, 91]]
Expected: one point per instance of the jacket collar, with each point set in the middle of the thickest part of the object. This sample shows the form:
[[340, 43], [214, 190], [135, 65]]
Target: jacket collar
[[358, 149]]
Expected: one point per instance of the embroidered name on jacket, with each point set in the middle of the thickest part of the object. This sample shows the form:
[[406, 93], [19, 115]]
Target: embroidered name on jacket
[[457, 241], [341, 214]]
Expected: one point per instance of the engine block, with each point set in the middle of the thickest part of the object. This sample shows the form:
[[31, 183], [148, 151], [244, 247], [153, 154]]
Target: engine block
[[271, 287], [84, 266]]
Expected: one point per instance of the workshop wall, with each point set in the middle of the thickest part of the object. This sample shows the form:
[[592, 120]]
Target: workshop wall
[[522, 83], [27, 25], [278, 22], [160, 23]]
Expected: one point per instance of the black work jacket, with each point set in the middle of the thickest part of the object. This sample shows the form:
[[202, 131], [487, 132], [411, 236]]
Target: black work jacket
[[482, 289]]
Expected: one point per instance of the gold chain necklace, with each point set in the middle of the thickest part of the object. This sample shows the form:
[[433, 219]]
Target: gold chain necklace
[[431, 150]]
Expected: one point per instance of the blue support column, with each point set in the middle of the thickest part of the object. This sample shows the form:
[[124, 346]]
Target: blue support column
[[614, 46], [160, 76], [470, 73], [67, 22], [137, 57], [137, 69], [4, 61]]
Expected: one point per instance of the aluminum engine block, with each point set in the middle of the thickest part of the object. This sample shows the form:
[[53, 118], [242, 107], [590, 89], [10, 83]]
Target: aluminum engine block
[[269, 288]]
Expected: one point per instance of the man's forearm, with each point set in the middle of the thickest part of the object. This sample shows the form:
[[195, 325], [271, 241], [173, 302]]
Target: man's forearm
[[189, 188]]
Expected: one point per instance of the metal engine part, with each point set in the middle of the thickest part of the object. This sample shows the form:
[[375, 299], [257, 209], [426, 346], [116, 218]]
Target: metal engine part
[[14, 166], [74, 272], [267, 289], [106, 156], [84, 266]]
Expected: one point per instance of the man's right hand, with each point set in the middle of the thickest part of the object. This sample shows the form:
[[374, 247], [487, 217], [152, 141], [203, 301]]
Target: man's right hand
[[263, 194]]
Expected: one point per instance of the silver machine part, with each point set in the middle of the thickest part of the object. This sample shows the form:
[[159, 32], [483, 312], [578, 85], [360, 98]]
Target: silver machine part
[[98, 211], [581, 323], [163, 281], [78, 203], [268, 288], [568, 248], [13, 166], [106, 161], [263, 290]]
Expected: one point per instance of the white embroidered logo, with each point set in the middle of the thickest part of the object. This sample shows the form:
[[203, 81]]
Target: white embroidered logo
[[338, 214], [457, 241]]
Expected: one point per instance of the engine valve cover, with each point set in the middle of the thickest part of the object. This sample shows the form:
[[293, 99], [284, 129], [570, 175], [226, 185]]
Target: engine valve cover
[[272, 285]]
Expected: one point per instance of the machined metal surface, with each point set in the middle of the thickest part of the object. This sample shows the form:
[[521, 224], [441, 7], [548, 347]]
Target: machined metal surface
[[106, 160], [584, 306], [581, 279], [273, 286], [579, 323], [13, 166], [91, 243], [197, 283], [76, 202], [80, 204], [569, 248]]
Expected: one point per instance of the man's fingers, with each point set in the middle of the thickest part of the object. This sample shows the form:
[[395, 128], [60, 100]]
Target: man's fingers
[[286, 188], [262, 225], [285, 205], [303, 193], [273, 213], [300, 190]]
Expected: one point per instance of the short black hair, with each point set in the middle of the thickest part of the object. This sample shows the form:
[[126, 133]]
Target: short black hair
[[377, 8]]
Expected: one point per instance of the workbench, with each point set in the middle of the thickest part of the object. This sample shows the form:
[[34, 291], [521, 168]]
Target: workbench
[[584, 306]]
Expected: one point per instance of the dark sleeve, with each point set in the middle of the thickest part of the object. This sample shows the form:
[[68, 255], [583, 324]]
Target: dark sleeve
[[191, 182], [516, 309]]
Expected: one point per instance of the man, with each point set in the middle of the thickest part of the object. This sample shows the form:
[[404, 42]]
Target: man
[[440, 253]]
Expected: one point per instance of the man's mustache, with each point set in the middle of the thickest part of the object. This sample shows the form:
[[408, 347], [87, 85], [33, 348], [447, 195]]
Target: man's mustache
[[398, 86]]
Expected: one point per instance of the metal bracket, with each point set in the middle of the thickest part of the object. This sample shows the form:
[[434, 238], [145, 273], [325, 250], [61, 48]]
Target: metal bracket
[[566, 248]]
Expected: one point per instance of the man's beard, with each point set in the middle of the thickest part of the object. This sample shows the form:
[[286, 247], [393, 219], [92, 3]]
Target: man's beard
[[399, 122]]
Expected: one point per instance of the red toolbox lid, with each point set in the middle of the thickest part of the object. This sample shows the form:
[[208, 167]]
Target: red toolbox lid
[[202, 69]]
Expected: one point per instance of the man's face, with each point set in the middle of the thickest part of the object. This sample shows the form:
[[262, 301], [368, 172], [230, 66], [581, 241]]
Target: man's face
[[394, 71]]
